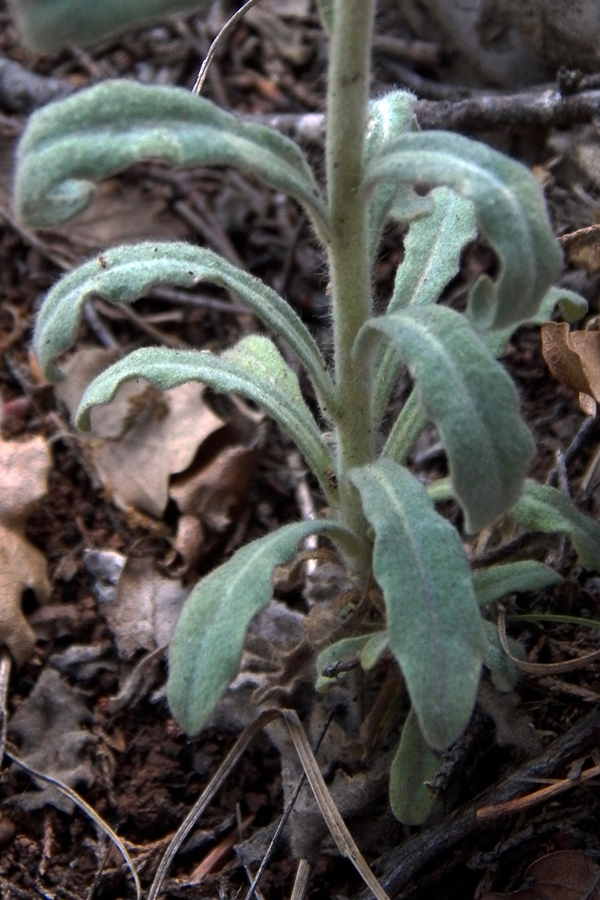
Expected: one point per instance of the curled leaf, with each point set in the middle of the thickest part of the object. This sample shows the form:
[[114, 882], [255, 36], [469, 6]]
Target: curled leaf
[[207, 646], [70, 145], [510, 211], [254, 368], [126, 273]]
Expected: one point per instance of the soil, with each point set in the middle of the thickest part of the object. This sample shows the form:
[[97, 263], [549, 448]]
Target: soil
[[144, 774]]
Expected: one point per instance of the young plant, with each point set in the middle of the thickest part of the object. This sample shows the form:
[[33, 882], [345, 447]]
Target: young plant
[[381, 518]]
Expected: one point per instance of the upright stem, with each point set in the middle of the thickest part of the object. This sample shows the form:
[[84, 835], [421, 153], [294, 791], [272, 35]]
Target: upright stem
[[348, 94]]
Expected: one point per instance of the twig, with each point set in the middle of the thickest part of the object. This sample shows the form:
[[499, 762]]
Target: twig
[[229, 25], [286, 814], [398, 868], [301, 880], [5, 667]]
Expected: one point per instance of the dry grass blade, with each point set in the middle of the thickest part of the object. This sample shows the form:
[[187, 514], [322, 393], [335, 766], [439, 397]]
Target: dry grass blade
[[329, 810], [207, 795], [301, 880], [569, 665], [229, 25], [85, 808], [5, 667]]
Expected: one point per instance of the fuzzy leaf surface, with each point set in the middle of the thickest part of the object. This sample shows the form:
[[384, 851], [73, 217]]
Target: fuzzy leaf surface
[[434, 625], [254, 368], [126, 273], [543, 508], [527, 575], [510, 211], [473, 402], [340, 651], [413, 765], [70, 145], [206, 648], [432, 250]]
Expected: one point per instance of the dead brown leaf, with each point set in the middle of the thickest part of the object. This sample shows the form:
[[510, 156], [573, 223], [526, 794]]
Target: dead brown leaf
[[23, 473], [145, 609], [583, 248], [565, 875], [573, 357], [143, 436]]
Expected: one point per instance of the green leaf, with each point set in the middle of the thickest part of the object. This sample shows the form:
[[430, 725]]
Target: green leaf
[[432, 250], [572, 307], [473, 402], [340, 651], [510, 211], [543, 508], [498, 581], [434, 624], [126, 273], [254, 368], [412, 766], [504, 672], [51, 25], [373, 650], [206, 648], [325, 8], [70, 145], [389, 117]]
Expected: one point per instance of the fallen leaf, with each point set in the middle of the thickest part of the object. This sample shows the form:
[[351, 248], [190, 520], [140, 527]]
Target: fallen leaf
[[145, 608], [573, 357], [143, 436], [565, 875], [23, 473], [583, 248], [48, 727]]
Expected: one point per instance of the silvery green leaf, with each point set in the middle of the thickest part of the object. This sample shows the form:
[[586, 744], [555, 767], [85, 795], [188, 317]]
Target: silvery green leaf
[[389, 117], [543, 508], [473, 402], [126, 273], [341, 651], [51, 25], [510, 211], [70, 145], [413, 765], [504, 672], [527, 575], [432, 250], [326, 13], [434, 624], [572, 307], [205, 652], [373, 650], [254, 368]]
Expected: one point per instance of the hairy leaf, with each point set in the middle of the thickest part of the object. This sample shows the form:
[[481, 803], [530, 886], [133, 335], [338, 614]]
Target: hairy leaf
[[498, 581], [51, 25], [432, 250], [254, 368], [543, 508], [340, 651], [413, 765], [572, 307], [373, 650], [473, 403], [207, 645], [434, 624], [504, 672], [510, 211], [389, 117], [124, 274], [70, 145]]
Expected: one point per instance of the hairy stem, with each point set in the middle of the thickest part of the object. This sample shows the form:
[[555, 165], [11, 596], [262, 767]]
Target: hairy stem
[[348, 93]]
